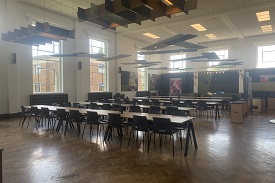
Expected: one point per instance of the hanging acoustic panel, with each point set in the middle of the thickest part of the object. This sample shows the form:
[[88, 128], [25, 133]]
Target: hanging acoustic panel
[[41, 33], [114, 13], [169, 41], [114, 57], [167, 51]]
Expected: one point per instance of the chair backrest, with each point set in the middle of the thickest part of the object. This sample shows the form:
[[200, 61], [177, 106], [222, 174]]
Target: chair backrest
[[167, 104], [35, 111], [188, 103], [162, 125], [75, 104], [92, 117], [155, 102], [23, 110], [61, 114], [146, 102], [169, 110], [106, 100], [126, 100], [135, 108], [116, 107], [179, 113], [45, 112], [106, 107], [94, 106], [154, 110], [74, 115], [201, 104], [175, 102], [67, 104], [114, 120], [140, 123], [117, 101]]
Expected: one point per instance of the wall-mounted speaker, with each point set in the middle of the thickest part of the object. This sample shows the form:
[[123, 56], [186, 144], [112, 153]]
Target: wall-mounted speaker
[[79, 65], [13, 58]]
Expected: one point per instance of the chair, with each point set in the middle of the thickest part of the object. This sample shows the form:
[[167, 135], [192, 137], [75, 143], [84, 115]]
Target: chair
[[135, 108], [170, 109], [155, 102], [24, 114], [146, 102], [140, 124], [117, 96], [116, 107], [117, 101], [126, 100], [175, 102], [36, 113], [202, 106], [106, 107], [46, 114], [163, 126], [61, 115], [94, 106], [154, 110], [114, 121], [67, 104], [93, 119], [187, 103], [75, 117], [167, 104], [106, 100]]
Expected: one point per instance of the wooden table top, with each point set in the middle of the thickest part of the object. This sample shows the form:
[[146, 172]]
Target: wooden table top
[[125, 114]]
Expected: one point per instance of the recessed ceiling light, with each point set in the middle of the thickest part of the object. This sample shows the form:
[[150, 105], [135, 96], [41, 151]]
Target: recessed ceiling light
[[198, 27], [266, 28], [167, 2], [263, 16], [151, 35], [211, 36]]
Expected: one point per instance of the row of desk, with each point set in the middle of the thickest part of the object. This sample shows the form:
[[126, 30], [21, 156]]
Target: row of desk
[[189, 109], [125, 114]]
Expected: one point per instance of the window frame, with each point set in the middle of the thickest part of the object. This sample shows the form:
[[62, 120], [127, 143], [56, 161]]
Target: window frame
[[41, 55], [174, 64], [142, 75], [261, 63], [213, 63], [97, 64]]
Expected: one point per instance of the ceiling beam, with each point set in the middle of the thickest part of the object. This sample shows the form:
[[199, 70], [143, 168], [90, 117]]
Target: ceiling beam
[[228, 22], [196, 18]]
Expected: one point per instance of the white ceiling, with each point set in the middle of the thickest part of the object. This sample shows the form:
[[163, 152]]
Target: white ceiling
[[227, 19]]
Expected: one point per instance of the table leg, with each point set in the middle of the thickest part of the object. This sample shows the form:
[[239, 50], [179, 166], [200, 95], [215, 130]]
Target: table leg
[[217, 112], [187, 139], [193, 134]]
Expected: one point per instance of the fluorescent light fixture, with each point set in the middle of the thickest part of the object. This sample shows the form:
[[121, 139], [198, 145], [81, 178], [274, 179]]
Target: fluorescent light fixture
[[167, 2], [266, 28], [151, 35], [198, 27], [211, 36], [263, 16]]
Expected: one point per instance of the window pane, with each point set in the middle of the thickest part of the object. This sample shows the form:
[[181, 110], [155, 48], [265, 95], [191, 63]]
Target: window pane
[[222, 54], [266, 56], [98, 70], [142, 75], [46, 70], [177, 64]]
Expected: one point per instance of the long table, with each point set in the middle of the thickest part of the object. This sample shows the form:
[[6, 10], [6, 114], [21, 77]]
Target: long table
[[141, 106], [125, 114]]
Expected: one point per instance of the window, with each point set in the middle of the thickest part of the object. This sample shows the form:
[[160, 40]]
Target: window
[[222, 54], [47, 70], [36, 68], [142, 75], [101, 86], [177, 64], [36, 87], [98, 70], [266, 56]]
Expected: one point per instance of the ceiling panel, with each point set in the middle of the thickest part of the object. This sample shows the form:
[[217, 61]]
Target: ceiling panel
[[209, 13]]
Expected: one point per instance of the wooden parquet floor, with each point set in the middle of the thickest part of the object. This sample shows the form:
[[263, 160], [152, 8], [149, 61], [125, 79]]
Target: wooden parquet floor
[[227, 153]]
